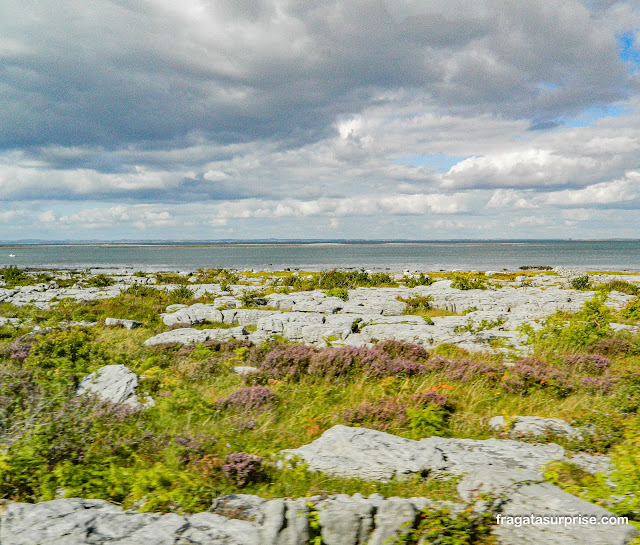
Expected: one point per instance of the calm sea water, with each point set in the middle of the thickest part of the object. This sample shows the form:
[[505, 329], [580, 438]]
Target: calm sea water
[[427, 256]]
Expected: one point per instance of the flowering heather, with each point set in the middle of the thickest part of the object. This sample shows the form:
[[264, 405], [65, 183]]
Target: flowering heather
[[287, 361], [242, 469], [254, 397], [387, 368], [612, 346], [337, 362], [598, 385], [593, 364], [530, 373], [193, 448], [431, 396], [465, 370], [401, 350], [380, 416]]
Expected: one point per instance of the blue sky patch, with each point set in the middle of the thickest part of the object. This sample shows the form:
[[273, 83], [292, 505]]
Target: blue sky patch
[[629, 49], [438, 162]]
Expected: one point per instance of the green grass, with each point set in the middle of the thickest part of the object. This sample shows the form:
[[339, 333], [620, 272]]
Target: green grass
[[148, 459]]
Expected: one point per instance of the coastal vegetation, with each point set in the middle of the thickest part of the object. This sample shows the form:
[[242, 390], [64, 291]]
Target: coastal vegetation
[[213, 431]]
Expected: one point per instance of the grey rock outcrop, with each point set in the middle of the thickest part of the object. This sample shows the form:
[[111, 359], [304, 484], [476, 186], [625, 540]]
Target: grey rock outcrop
[[113, 383], [127, 324], [509, 469], [97, 522], [188, 335], [534, 426], [250, 520]]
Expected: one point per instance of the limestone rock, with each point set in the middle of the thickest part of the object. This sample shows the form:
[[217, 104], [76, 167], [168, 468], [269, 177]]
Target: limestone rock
[[188, 335], [113, 383], [532, 426], [127, 324]]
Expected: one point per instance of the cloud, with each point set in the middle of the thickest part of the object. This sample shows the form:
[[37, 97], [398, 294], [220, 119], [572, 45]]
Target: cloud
[[598, 194], [199, 117]]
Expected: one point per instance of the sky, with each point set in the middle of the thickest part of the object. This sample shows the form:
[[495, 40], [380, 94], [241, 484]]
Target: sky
[[319, 119]]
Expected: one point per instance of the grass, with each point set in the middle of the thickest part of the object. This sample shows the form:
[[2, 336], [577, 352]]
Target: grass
[[190, 383]]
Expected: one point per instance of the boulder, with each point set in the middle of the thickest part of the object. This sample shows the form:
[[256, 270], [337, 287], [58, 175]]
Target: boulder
[[127, 324], [535, 426], [113, 383]]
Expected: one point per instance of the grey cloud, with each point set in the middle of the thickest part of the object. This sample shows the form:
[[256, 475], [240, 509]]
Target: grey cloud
[[116, 73]]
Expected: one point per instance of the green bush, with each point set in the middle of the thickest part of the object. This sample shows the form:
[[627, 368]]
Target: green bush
[[421, 280], [181, 294], [100, 281], [580, 283], [632, 309], [619, 285], [416, 303], [340, 293], [12, 275], [567, 332], [466, 282]]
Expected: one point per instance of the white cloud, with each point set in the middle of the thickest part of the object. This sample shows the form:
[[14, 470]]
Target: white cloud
[[602, 193]]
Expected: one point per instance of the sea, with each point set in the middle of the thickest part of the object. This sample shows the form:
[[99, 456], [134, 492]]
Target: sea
[[599, 255]]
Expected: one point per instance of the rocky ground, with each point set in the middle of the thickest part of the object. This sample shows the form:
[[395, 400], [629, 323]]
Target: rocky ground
[[488, 319], [504, 475]]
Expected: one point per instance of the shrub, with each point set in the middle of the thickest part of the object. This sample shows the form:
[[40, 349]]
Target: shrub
[[530, 373], [401, 349], [465, 282], [141, 290], [242, 469], [340, 293], [431, 396], [287, 362], [580, 283], [387, 367], [380, 416], [421, 280], [336, 362], [442, 526], [100, 281], [632, 309], [13, 275], [598, 385], [619, 285], [247, 399], [613, 346], [578, 332], [416, 303], [181, 294], [592, 364], [465, 370]]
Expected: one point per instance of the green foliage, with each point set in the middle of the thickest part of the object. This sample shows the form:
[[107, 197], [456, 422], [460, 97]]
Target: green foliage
[[100, 281], [581, 282], [253, 298], [485, 324], [67, 355], [632, 309], [421, 280], [315, 528], [619, 285], [181, 294], [224, 277], [427, 421], [467, 282], [348, 280], [340, 293], [416, 303], [568, 332], [12, 275], [446, 528], [577, 481]]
